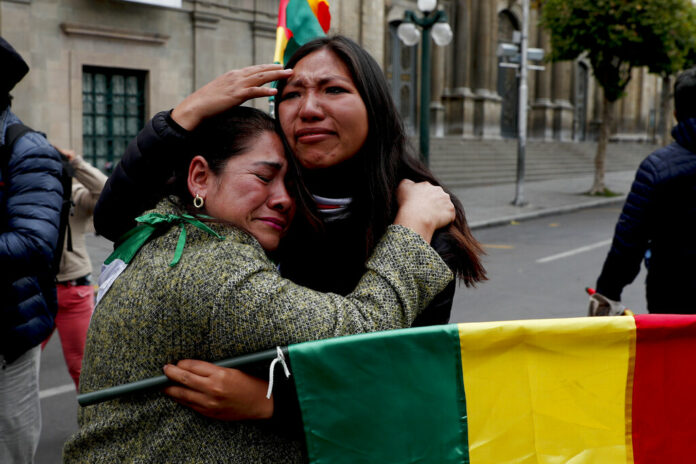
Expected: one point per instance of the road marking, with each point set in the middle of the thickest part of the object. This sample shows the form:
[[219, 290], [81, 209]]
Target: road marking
[[55, 391], [574, 252]]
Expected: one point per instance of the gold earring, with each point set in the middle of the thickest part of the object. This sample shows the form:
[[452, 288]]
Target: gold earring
[[198, 201]]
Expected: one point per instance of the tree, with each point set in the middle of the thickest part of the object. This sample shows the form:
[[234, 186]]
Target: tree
[[679, 52], [617, 36]]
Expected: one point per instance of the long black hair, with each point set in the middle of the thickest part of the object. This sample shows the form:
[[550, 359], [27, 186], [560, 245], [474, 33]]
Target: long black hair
[[387, 157]]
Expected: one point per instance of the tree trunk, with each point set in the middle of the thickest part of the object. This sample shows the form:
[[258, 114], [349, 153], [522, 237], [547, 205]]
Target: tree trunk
[[598, 186], [665, 127]]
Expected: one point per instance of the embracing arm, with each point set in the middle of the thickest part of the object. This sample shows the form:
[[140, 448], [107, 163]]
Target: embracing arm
[[403, 276]]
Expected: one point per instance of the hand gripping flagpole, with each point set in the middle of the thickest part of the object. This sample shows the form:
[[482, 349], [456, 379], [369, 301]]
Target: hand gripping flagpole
[[161, 381]]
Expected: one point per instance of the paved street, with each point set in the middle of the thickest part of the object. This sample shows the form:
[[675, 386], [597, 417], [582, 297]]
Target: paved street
[[538, 268]]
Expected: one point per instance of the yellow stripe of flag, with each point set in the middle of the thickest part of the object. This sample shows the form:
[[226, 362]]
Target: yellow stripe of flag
[[534, 393]]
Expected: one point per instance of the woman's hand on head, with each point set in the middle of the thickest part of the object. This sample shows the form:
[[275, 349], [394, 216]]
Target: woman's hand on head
[[423, 207], [231, 89], [218, 392]]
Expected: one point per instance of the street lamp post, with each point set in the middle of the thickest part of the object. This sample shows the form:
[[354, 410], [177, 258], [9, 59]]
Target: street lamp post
[[432, 23], [519, 55]]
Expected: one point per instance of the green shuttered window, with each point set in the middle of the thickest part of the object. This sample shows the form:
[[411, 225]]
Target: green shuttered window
[[113, 112]]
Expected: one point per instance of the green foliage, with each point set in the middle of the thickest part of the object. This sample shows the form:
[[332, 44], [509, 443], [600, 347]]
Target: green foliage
[[618, 35]]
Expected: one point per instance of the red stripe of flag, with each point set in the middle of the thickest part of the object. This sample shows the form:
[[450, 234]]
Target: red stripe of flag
[[324, 16], [283, 18], [283, 13], [664, 390]]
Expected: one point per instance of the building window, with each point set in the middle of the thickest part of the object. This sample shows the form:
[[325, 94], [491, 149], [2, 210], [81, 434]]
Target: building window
[[113, 112]]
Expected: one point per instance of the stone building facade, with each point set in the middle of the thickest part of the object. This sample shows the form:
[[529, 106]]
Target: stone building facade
[[475, 98], [100, 68]]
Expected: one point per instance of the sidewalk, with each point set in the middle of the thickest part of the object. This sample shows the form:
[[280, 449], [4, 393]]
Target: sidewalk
[[491, 205]]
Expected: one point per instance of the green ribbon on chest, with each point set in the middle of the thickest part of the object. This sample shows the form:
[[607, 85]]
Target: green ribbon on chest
[[131, 242]]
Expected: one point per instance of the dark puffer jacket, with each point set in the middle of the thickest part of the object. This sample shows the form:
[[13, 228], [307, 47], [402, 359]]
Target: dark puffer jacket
[[30, 202], [660, 215]]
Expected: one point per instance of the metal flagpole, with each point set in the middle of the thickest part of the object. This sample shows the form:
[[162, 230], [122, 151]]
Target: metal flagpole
[[162, 381]]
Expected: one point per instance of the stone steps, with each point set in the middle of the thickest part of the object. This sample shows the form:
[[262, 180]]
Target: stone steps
[[462, 163]]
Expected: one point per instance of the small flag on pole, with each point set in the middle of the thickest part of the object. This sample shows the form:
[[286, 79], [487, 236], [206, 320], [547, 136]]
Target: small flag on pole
[[299, 21]]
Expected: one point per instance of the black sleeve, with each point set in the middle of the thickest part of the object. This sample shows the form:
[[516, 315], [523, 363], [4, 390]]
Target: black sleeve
[[138, 180], [632, 234], [440, 309]]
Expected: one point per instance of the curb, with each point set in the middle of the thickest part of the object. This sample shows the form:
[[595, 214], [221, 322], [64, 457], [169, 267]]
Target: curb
[[545, 212]]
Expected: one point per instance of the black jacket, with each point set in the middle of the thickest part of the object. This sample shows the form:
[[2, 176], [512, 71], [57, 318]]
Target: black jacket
[[659, 215], [30, 204]]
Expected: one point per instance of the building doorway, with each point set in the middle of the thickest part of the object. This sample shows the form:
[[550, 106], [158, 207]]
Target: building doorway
[[508, 88], [582, 78]]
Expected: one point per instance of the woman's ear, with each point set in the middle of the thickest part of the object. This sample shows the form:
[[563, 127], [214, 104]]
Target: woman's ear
[[199, 177]]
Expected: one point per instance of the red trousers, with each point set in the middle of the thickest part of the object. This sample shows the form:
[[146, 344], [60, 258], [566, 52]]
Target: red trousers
[[75, 307]]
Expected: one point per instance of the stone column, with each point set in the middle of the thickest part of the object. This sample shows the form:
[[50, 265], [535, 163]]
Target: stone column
[[486, 100], [562, 108], [458, 99], [373, 29], [627, 106], [642, 110], [542, 109]]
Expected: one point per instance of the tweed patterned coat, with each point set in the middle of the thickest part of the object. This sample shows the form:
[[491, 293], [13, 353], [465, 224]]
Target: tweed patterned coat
[[224, 298]]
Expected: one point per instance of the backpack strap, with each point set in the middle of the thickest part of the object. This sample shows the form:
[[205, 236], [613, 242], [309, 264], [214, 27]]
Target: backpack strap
[[12, 133]]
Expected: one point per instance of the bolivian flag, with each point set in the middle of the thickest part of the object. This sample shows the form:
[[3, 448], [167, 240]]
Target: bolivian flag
[[299, 21], [586, 390]]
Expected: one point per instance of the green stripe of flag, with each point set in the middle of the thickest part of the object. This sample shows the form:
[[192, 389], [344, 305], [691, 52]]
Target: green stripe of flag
[[344, 399]]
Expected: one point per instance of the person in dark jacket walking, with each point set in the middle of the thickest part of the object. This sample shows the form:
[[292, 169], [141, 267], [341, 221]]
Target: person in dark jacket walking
[[660, 215], [30, 204]]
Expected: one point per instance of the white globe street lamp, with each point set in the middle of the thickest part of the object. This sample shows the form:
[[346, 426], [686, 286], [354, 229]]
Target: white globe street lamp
[[408, 33], [442, 34], [426, 6]]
